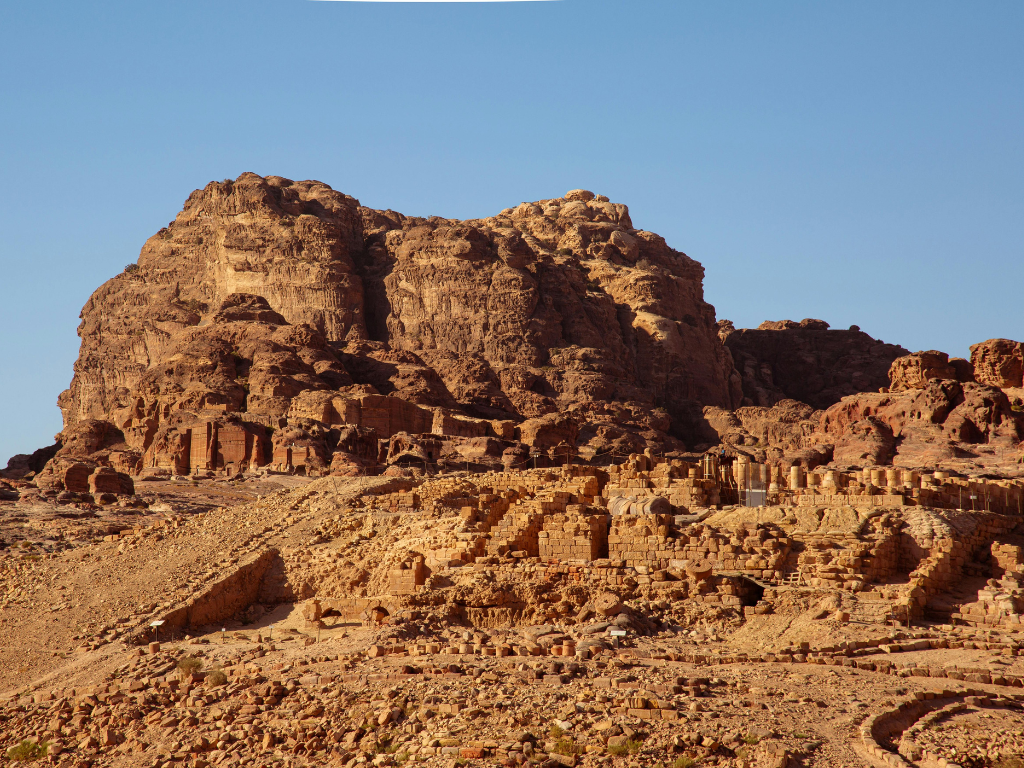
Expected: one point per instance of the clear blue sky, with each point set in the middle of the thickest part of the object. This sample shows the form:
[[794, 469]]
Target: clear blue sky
[[861, 162]]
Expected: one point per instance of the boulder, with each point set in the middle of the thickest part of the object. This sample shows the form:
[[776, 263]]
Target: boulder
[[937, 425], [107, 480]]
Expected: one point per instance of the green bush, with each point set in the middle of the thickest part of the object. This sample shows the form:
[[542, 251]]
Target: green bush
[[131, 268], [27, 751]]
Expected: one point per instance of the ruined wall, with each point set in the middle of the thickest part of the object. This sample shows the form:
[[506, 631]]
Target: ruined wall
[[227, 598]]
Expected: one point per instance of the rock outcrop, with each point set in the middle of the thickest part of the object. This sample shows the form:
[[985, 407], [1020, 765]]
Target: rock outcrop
[[915, 371], [272, 316], [999, 362], [279, 323], [807, 362], [783, 430], [942, 424], [24, 465]]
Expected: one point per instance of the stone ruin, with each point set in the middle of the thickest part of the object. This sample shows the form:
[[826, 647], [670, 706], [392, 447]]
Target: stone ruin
[[877, 545]]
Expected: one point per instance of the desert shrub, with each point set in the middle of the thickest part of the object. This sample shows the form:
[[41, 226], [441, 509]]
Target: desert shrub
[[189, 665], [131, 268], [683, 762], [556, 732], [631, 747], [568, 747], [216, 677], [27, 751]]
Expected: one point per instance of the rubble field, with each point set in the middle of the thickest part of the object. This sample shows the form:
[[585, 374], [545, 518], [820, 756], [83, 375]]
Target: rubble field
[[635, 614]]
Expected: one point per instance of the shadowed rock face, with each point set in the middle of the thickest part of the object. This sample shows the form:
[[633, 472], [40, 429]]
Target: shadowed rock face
[[807, 362], [267, 299]]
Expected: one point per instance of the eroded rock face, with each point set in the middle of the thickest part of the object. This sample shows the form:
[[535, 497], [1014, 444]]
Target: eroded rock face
[[766, 434], [546, 306], [999, 362], [808, 362], [272, 305], [25, 464], [915, 371], [942, 422]]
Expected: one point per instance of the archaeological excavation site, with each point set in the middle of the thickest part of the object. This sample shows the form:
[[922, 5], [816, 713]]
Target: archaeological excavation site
[[338, 486]]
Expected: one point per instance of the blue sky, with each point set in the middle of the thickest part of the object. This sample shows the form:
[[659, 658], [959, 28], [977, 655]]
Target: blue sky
[[860, 162]]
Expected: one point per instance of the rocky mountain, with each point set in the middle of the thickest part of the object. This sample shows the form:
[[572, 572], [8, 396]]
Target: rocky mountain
[[279, 315], [279, 323]]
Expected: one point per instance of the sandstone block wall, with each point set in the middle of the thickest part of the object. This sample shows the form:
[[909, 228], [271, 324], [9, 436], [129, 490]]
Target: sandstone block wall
[[1007, 558], [405, 579], [574, 535]]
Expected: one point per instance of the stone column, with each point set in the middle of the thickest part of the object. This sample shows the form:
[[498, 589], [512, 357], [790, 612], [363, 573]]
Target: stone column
[[742, 470]]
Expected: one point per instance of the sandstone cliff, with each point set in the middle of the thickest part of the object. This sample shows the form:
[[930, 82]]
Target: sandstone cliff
[[808, 362], [281, 323], [271, 312]]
